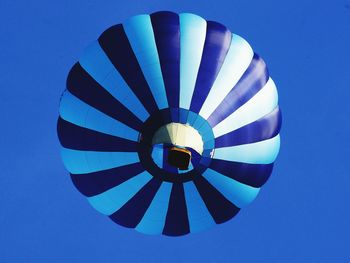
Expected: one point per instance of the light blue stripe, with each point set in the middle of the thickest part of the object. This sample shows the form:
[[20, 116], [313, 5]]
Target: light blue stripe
[[203, 127], [82, 162], [193, 32], [198, 215], [237, 60], [210, 144], [157, 155], [258, 106], [238, 193], [263, 152], [199, 122], [206, 132], [98, 65], [191, 118], [79, 113], [112, 200], [154, 219], [140, 34]]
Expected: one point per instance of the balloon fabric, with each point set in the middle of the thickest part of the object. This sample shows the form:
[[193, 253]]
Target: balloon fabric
[[169, 123]]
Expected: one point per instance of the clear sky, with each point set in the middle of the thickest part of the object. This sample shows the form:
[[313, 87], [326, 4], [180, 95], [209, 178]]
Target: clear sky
[[301, 214]]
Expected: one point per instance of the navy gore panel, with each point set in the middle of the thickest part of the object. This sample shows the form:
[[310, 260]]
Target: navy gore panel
[[264, 128], [219, 207], [251, 174], [83, 86], [95, 183], [116, 45], [166, 28], [253, 80], [176, 223], [130, 214], [216, 45], [72, 136]]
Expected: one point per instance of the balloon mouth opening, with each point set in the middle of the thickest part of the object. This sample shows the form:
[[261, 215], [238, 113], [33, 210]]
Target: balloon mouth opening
[[180, 136], [175, 145], [179, 158]]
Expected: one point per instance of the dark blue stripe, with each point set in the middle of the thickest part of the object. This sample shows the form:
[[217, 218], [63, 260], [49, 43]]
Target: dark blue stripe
[[116, 45], [163, 175], [130, 214], [166, 28], [166, 165], [253, 79], [153, 123], [265, 128], [91, 184], [251, 174], [175, 114], [219, 207], [216, 46], [75, 137], [205, 161], [183, 114], [176, 223], [195, 157], [145, 149], [83, 86]]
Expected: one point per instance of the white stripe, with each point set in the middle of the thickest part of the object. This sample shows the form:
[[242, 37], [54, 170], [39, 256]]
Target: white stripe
[[236, 62], [261, 104]]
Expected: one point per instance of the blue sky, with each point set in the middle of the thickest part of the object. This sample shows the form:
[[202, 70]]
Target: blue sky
[[301, 214]]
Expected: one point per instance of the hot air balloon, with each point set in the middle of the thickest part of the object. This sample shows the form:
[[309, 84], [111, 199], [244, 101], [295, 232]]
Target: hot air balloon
[[169, 123]]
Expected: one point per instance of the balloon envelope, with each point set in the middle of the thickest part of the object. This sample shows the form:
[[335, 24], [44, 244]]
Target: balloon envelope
[[169, 123]]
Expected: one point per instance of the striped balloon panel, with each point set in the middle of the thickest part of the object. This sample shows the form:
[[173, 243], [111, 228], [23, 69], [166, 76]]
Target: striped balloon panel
[[152, 71]]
